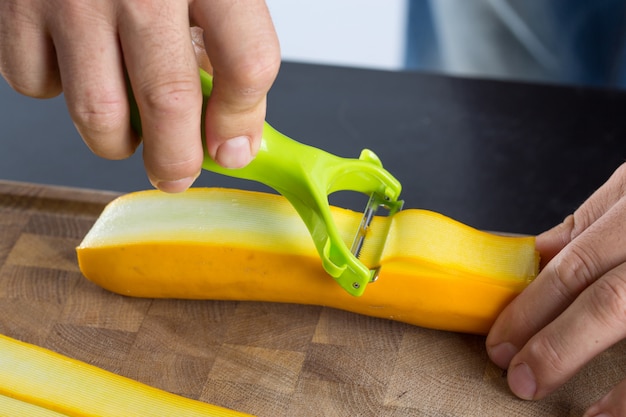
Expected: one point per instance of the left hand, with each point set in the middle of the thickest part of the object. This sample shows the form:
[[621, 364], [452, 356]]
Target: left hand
[[575, 308]]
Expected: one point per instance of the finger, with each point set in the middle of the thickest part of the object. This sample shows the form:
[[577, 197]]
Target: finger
[[242, 44], [27, 57], [593, 323], [590, 255], [613, 404], [552, 241], [93, 79], [164, 77]]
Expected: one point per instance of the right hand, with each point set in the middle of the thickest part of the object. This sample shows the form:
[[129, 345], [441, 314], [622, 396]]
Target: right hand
[[83, 50]]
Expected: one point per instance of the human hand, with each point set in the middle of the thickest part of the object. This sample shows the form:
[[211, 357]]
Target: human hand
[[84, 49], [575, 308]]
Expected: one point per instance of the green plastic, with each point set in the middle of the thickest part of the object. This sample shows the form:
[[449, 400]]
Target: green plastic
[[306, 176]]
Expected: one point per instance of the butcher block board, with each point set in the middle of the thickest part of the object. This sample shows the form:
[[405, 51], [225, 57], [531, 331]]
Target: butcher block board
[[269, 360]]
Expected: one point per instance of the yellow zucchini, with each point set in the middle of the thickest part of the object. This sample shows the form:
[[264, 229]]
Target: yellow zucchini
[[38, 382], [239, 245], [11, 407]]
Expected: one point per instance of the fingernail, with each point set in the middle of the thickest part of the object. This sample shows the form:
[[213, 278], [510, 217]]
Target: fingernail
[[176, 186], [234, 153], [522, 381], [602, 415], [502, 354]]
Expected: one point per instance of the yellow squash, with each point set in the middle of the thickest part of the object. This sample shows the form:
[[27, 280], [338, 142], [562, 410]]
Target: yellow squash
[[237, 245], [35, 382]]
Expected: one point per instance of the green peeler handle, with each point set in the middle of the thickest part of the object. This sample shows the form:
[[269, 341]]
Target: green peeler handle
[[306, 176]]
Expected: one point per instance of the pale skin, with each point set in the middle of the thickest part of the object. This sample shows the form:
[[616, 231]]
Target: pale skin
[[575, 309], [84, 48]]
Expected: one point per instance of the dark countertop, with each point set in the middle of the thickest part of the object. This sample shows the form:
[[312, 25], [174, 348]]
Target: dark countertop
[[497, 155]]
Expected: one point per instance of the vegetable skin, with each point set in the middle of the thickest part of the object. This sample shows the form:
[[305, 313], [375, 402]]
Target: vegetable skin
[[225, 244]]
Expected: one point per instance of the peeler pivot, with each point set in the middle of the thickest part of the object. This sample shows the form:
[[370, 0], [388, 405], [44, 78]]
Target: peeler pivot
[[306, 176]]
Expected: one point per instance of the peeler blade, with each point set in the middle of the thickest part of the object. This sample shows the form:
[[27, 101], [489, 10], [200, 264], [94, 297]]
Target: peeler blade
[[374, 204]]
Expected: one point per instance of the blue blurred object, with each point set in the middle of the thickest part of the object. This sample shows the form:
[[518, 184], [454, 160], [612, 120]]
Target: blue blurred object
[[561, 41]]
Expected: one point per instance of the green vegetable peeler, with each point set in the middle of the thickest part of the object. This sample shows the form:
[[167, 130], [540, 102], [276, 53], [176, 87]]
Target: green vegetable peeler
[[306, 175]]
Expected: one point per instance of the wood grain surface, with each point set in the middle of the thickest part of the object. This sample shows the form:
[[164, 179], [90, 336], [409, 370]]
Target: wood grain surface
[[265, 359]]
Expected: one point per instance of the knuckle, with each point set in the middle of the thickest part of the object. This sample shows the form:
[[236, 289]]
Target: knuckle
[[173, 168], [260, 72], [608, 300], [99, 114], [585, 217], [574, 271], [180, 159], [548, 352], [576, 223], [253, 78], [101, 119], [171, 96]]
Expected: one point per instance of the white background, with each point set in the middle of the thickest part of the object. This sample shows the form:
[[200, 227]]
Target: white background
[[361, 33]]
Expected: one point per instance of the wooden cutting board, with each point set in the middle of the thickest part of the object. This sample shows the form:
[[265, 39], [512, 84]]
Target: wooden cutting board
[[265, 359]]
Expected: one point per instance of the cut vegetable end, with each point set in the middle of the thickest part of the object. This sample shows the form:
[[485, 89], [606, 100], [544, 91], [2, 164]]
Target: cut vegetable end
[[239, 245]]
